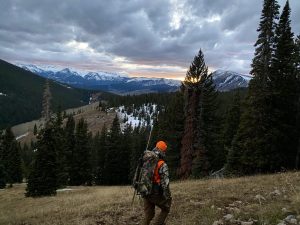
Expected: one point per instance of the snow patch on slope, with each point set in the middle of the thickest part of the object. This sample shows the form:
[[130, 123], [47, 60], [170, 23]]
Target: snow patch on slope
[[142, 116], [21, 136]]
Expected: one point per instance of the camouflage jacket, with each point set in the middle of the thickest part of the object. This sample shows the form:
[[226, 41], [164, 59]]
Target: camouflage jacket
[[164, 175]]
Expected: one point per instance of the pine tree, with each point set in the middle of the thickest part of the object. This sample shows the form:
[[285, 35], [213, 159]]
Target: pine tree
[[265, 43], [113, 174], [61, 152], [14, 167], [69, 133], [11, 158], [7, 140], [284, 96], [209, 125], [101, 152], [42, 180], [81, 163], [176, 118], [169, 127], [191, 94], [94, 156], [124, 154], [139, 140], [200, 120], [250, 147]]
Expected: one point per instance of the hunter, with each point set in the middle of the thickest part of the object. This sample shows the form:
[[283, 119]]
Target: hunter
[[160, 195]]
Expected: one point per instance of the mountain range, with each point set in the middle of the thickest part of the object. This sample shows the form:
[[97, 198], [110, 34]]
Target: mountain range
[[229, 80], [123, 84], [21, 95]]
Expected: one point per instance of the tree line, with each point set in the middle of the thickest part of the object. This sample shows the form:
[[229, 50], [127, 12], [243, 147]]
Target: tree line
[[259, 134]]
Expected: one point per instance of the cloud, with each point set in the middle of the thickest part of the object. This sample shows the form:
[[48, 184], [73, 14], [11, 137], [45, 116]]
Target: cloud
[[140, 37]]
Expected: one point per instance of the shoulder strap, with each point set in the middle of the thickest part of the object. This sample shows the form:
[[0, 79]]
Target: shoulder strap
[[159, 163]]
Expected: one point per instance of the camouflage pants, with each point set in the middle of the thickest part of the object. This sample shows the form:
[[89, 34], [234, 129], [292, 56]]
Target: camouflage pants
[[149, 209]]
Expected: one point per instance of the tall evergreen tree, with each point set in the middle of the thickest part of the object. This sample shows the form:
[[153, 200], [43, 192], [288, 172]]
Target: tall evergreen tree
[[61, 153], [200, 105], [285, 95], [7, 140], [210, 126], [101, 153], [81, 164], [14, 167], [126, 147], [264, 45], [42, 180], [169, 127], [69, 133], [251, 145], [11, 158], [94, 156], [113, 174], [191, 93], [139, 143]]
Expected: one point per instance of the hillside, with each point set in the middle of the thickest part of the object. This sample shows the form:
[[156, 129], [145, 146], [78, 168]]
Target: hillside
[[96, 118], [254, 200], [21, 95], [91, 113]]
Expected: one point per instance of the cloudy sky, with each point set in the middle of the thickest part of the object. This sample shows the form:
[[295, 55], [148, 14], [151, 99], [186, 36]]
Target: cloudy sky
[[156, 38]]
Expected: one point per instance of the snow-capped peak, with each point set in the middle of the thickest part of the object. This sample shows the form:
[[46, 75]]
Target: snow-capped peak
[[90, 75], [104, 76], [40, 68], [228, 80]]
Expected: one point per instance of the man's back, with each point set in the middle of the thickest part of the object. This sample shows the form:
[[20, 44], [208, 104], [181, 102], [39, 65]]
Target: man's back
[[160, 195]]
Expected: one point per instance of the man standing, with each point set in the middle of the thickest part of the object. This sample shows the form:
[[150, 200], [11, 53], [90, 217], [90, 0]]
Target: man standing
[[160, 195]]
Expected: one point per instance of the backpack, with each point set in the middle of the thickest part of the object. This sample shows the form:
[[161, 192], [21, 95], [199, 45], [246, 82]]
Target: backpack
[[143, 178]]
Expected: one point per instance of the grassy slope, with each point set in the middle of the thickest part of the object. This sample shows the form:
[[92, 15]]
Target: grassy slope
[[24, 92], [194, 202], [95, 120]]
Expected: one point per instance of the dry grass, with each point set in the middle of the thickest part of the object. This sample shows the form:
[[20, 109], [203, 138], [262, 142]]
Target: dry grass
[[194, 202], [95, 119]]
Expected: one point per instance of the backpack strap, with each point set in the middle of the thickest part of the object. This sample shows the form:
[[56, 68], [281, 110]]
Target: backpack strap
[[156, 176]]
